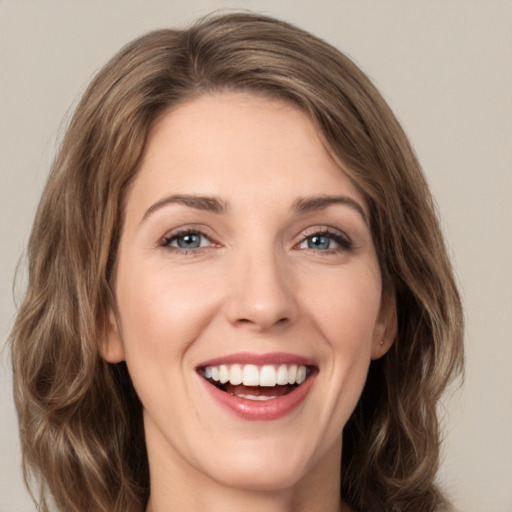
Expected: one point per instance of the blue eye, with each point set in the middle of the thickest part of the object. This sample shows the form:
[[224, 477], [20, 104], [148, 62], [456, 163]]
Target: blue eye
[[186, 240], [319, 242], [325, 241]]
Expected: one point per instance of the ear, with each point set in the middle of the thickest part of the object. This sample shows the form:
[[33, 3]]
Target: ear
[[386, 326], [111, 344]]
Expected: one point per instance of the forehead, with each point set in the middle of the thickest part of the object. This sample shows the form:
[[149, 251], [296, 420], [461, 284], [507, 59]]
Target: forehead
[[237, 145]]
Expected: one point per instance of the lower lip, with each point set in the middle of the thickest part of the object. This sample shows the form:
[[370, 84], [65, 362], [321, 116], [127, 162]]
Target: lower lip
[[255, 410]]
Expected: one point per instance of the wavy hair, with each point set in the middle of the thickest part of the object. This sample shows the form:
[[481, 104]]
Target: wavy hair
[[80, 418]]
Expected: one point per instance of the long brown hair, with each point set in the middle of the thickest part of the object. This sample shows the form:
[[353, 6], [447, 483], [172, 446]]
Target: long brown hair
[[80, 419]]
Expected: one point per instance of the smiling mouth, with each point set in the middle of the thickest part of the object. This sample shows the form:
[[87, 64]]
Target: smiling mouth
[[259, 383]]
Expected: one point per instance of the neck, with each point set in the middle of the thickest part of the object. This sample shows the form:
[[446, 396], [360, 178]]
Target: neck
[[242, 500], [175, 488]]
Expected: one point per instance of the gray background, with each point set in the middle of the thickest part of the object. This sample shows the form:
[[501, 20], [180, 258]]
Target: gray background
[[445, 66]]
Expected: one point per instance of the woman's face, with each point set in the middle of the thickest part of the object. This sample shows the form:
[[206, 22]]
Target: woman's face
[[245, 262]]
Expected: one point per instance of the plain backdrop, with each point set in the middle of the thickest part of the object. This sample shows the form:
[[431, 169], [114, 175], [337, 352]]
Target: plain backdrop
[[445, 66]]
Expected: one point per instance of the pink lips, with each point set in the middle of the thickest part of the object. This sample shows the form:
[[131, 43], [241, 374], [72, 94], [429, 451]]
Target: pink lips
[[259, 359], [267, 410]]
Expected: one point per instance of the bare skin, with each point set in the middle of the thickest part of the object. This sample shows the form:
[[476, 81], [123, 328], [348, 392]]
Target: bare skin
[[242, 235]]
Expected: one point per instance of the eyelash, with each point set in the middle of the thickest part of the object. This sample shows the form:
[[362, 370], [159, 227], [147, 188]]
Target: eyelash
[[343, 241], [169, 239]]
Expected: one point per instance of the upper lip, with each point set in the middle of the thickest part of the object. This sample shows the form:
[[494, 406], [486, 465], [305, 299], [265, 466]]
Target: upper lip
[[259, 359]]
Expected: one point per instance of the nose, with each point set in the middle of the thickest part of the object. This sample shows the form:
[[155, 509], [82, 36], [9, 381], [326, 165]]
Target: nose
[[261, 293]]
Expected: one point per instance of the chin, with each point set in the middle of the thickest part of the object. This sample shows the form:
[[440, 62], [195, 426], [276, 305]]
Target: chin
[[276, 466], [262, 476]]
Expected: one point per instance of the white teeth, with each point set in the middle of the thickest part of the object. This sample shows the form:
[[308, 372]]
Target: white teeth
[[223, 374], [235, 374], [268, 377], [282, 375], [292, 374], [261, 398], [251, 375], [301, 375]]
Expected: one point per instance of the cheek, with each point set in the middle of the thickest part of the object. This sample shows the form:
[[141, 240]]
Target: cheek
[[161, 316], [347, 318], [346, 305]]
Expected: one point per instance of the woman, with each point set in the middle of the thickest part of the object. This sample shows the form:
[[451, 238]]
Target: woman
[[239, 295]]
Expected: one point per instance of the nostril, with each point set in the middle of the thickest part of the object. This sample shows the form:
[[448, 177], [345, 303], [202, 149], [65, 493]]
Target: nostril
[[262, 324]]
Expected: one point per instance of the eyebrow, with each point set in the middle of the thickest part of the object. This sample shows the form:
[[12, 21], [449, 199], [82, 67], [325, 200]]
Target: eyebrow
[[309, 204], [215, 205], [209, 204]]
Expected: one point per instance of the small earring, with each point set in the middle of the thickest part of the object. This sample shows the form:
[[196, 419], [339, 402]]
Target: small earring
[[382, 342]]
